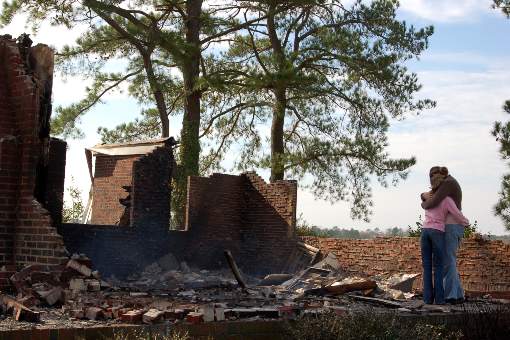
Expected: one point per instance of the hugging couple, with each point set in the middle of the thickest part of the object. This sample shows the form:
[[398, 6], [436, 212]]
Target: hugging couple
[[441, 235]]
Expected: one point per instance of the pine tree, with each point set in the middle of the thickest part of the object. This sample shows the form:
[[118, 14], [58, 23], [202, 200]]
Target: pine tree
[[328, 79], [502, 133], [503, 5]]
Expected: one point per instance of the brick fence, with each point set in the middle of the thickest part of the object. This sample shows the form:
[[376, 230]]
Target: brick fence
[[484, 266]]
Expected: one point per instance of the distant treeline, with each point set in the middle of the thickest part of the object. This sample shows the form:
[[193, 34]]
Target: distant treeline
[[304, 229], [352, 233]]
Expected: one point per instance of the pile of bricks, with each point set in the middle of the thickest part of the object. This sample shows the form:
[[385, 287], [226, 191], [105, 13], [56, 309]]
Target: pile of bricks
[[46, 285]]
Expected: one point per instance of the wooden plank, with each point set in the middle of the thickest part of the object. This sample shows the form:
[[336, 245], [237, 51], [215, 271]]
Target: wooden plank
[[384, 302], [234, 268]]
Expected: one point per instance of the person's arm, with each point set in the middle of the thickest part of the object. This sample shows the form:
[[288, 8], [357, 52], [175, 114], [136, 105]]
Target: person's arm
[[444, 190], [425, 195], [457, 215]]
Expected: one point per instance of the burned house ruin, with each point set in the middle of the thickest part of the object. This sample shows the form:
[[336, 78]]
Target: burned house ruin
[[130, 213], [128, 225], [251, 218]]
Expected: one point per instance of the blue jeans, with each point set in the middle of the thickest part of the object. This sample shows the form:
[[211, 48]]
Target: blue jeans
[[432, 243], [452, 285]]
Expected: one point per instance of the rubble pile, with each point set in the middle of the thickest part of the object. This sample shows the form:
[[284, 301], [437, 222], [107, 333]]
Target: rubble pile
[[47, 286], [169, 291]]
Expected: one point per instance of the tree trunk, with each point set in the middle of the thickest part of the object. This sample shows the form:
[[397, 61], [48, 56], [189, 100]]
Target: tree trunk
[[189, 151], [280, 104], [163, 114], [158, 94], [190, 146], [277, 145]]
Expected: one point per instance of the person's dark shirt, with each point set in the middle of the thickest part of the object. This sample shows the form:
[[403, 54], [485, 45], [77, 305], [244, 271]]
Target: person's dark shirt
[[449, 187]]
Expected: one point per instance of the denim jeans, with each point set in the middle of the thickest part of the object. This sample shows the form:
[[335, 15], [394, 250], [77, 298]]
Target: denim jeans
[[452, 285], [432, 252]]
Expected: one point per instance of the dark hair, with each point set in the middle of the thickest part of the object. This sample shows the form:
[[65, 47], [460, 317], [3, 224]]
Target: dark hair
[[438, 170]]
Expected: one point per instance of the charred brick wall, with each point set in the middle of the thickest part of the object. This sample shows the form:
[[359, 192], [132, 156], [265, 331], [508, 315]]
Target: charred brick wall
[[54, 193], [484, 266], [269, 220], [9, 156], [253, 219], [110, 174], [215, 206], [121, 251], [26, 231], [150, 197]]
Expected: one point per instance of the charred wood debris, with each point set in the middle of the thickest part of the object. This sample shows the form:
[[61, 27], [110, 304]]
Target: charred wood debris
[[172, 292]]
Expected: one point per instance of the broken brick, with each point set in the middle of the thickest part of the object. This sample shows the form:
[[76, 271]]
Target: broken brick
[[94, 313], [93, 285], [152, 316], [77, 313], [133, 316], [52, 296], [80, 268], [195, 318], [77, 285]]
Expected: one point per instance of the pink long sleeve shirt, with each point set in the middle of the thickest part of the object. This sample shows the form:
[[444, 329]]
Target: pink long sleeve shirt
[[435, 218]]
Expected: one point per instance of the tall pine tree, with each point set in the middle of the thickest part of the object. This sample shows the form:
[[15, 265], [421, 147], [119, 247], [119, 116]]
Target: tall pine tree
[[328, 79], [502, 133]]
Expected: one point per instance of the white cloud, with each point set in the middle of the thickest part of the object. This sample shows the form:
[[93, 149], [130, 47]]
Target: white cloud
[[445, 10], [55, 36]]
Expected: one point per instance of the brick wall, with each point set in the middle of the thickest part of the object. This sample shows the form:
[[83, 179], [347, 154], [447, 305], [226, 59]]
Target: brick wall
[[150, 197], [54, 193], [9, 166], [483, 266], [253, 219], [214, 216], [26, 231], [110, 174], [269, 220], [120, 251]]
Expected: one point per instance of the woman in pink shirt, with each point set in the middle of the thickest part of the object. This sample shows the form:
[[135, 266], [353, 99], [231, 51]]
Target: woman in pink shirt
[[432, 243]]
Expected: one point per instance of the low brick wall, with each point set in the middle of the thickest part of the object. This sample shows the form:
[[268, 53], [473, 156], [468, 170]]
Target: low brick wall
[[246, 330], [484, 266]]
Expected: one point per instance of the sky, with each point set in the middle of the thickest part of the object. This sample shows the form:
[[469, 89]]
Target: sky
[[465, 70]]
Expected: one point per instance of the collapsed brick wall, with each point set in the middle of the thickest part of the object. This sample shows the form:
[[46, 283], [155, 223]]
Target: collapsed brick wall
[[110, 174], [483, 266], [26, 231]]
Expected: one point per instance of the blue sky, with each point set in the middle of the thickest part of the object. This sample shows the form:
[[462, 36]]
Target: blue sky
[[465, 69]]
